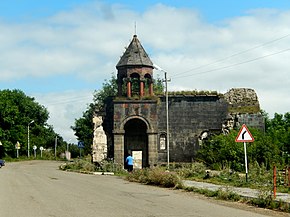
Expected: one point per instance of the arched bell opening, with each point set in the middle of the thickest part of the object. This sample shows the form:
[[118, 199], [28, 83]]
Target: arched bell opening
[[148, 85], [135, 84]]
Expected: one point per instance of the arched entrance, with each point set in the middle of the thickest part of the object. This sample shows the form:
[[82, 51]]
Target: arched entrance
[[136, 140]]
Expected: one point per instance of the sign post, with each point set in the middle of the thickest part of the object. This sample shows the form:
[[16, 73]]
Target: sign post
[[245, 136], [80, 146]]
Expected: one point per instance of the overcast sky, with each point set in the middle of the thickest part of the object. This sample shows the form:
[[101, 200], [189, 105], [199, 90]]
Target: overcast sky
[[61, 51]]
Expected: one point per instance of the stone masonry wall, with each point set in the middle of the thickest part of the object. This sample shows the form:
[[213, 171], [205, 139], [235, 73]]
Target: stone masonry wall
[[189, 117]]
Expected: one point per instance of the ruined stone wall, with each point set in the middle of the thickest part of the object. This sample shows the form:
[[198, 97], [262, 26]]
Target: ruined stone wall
[[244, 108], [242, 100]]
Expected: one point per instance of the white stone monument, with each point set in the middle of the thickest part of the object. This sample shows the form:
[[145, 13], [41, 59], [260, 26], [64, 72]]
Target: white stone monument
[[99, 149]]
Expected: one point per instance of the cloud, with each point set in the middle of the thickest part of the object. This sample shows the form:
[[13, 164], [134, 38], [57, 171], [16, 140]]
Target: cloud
[[64, 108], [86, 42]]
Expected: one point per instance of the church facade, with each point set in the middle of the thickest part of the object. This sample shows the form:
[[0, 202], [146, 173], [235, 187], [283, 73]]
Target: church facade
[[135, 120]]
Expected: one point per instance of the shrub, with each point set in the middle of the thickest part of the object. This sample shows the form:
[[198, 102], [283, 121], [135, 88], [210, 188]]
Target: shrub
[[155, 176], [228, 195], [220, 194], [191, 170], [259, 175], [79, 165]]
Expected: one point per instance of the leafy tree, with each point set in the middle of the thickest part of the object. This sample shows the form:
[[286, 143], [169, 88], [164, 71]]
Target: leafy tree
[[278, 129], [270, 147], [84, 128], [221, 151], [16, 111], [109, 89]]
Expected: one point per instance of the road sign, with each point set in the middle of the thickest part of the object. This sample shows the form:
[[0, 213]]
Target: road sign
[[244, 135], [81, 144], [17, 146], [34, 147]]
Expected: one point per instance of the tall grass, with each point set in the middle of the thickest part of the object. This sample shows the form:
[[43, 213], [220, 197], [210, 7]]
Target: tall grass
[[156, 176]]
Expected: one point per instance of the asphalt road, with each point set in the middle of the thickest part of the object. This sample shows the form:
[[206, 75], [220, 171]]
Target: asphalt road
[[39, 189]]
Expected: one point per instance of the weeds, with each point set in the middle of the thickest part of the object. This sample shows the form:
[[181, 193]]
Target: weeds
[[219, 194], [79, 165], [156, 177]]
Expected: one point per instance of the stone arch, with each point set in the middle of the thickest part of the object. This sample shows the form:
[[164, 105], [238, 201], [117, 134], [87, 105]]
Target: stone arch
[[149, 128], [136, 141]]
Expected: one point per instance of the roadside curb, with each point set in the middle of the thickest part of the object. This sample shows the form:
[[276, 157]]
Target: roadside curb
[[91, 173]]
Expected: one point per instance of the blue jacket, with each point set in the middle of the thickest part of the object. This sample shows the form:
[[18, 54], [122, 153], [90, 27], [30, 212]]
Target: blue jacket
[[129, 160]]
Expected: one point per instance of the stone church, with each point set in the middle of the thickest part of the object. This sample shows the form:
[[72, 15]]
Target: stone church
[[135, 120]]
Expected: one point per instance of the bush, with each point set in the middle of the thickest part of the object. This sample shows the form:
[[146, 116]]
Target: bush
[[220, 194], [79, 165], [155, 176], [191, 170], [259, 175]]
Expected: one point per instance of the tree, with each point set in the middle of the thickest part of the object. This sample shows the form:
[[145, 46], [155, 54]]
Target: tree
[[270, 147], [221, 151], [109, 89], [16, 111], [84, 128], [278, 129]]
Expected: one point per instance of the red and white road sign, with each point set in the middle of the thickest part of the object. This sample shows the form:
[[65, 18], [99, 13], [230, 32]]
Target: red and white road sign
[[244, 135]]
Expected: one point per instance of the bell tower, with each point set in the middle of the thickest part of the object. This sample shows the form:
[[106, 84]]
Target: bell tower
[[135, 72], [135, 121]]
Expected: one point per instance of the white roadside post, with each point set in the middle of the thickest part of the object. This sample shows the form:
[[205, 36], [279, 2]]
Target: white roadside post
[[34, 148], [17, 147], [245, 136], [41, 149]]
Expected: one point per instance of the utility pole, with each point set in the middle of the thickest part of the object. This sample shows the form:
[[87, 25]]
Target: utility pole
[[55, 145], [28, 145], [167, 116], [167, 108]]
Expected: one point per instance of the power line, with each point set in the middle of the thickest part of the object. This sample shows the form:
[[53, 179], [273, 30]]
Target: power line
[[233, 55], [236, 64], [67, 100]]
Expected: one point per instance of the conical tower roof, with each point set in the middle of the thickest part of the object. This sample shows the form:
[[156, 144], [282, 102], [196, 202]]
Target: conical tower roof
[[135, 55]]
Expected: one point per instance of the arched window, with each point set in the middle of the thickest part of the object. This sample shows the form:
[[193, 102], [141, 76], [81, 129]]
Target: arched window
[[162, 141]]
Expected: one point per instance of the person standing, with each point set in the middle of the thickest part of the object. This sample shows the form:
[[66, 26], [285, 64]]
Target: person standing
[[130, 162]]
